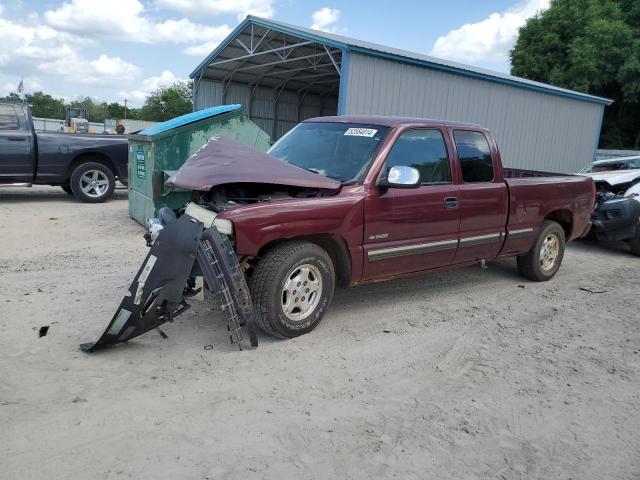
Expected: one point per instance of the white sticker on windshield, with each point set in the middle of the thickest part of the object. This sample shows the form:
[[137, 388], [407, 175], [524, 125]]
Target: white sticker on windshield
[[361, 132]]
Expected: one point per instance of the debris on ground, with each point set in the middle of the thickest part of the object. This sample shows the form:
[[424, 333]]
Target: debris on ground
[[592, 289]]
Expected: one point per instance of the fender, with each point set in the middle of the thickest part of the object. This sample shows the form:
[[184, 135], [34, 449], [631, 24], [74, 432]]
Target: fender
[[258, 225]]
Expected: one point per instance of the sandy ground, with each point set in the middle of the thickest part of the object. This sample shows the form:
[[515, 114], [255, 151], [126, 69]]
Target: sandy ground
[[468, 374]]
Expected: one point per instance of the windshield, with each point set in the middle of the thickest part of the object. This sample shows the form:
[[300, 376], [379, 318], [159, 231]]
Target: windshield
[[612, 166], [341, 151]]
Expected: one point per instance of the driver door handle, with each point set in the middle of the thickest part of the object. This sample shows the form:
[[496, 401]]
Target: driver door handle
[[450, 202]]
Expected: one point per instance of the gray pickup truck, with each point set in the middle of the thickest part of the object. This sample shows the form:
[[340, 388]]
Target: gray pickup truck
[[84, 165]]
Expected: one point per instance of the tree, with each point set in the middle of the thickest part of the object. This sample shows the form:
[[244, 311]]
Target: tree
[[96, 112], [592, 46], [115, 110], [12, 97], [45, 106], [167, 102]]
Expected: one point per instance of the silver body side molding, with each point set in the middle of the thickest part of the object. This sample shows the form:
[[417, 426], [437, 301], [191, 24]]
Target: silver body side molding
[[391, 252], [480, 239], [384, 253], [522, 232]]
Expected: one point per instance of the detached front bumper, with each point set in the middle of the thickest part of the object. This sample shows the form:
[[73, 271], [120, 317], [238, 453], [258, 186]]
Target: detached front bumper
[[183, 248]]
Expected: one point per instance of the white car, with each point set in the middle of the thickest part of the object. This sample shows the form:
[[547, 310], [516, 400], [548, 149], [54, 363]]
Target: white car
[[617, 175], [616, 215]]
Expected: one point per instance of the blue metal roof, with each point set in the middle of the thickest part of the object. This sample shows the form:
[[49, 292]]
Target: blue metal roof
[[189, 118], [377, 50]]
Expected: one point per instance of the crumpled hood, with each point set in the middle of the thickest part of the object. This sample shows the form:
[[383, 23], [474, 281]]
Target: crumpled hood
[[223, 160], [616, 177]]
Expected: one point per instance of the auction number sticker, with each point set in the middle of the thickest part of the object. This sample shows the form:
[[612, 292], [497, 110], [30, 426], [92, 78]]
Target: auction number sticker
[[360, 132], [141, 169]]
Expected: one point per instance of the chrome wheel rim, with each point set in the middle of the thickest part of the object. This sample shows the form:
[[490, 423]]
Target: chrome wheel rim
[[94, 183], [549, 252], [301, 292]]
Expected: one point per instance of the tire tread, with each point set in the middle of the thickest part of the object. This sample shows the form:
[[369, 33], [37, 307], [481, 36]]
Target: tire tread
[[634, 242], [527, 263], [79, 170], [264, 272]]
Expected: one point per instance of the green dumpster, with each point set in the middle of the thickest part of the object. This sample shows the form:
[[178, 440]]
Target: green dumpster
[[158, 151]]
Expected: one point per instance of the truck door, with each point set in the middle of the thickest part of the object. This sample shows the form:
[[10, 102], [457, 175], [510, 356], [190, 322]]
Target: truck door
[[483, 197], [409, 230], [16, 161]]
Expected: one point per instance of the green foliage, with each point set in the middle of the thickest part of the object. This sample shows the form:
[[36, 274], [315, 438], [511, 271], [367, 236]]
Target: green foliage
[[160, 105], [43, 105], [168, 102], [12, 97], [592, 46]]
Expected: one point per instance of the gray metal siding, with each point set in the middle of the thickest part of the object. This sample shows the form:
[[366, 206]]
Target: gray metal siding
[[292, 107], [207, 94], [533, 130]]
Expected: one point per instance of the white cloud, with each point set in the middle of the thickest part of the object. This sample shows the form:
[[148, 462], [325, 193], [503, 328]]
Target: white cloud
[[324, 19], [202, 49], [103, 71], [490, 39], [9, 84], [148, 85], [32, 49], [184, 31], [1, 8], [242, 8], [125, 20], [21, 44], [118, 18]]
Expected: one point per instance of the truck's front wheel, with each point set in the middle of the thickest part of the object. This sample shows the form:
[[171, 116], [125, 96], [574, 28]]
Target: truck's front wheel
[[292, 286], [545, 257], [92, 182]]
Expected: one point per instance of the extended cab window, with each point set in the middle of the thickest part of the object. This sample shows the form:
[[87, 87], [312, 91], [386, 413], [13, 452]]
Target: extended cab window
[[424, 150], [474, 154], [8, 118]]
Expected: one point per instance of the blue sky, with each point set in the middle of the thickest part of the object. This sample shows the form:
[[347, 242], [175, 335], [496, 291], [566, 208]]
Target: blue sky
[[114, 49]]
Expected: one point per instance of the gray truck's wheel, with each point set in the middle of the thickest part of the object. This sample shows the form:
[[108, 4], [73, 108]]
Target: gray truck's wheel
[[634, 242], [543, 260], [292, 287], [92, 182]]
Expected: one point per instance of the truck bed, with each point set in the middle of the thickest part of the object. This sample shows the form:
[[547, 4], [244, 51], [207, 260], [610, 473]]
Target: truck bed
[[534, 193], [521, 173]]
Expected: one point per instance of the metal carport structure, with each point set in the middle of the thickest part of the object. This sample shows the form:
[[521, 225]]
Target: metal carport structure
[[284, 73], [280, 78]]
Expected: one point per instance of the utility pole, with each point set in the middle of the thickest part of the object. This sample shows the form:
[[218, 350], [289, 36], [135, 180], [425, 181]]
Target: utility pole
[[125, 108]]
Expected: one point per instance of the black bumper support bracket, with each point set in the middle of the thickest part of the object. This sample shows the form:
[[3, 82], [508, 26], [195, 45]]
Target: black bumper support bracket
[[156, 295]]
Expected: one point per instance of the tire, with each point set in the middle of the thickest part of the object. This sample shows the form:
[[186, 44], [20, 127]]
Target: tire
[[283, 308], [67, 189], [634, 242], [92, 171], [544, 258]]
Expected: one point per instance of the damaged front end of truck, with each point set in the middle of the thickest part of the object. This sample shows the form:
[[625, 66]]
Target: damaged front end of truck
[[616, 213], [191, 249]]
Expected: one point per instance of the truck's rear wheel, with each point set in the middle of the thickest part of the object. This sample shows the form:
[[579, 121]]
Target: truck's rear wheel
[[92, 182], [292, 287], [543, 260]]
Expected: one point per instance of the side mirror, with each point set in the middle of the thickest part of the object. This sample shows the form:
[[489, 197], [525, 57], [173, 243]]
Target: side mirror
[[401, 177]]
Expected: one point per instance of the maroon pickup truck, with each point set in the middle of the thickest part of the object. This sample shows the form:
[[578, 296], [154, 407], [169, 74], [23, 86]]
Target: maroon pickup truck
[[341, 201]]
